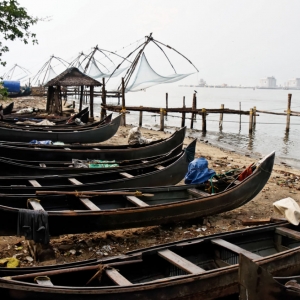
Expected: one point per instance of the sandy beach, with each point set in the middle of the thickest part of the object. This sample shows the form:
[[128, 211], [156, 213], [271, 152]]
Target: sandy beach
[[283, 182]]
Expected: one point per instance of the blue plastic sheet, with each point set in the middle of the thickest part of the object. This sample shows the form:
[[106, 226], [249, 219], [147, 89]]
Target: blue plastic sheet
[[198, 171], [46, 142]]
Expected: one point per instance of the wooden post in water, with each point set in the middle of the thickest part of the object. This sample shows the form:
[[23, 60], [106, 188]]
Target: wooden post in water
[[288, 112], [183, 114], [240, 116], [194, 107], [221, 118], [103, 96], [141, 118], [162, 127], [254, 116], [166, 106], [250, 120], [92, 101], [123, 121], [203, 120]]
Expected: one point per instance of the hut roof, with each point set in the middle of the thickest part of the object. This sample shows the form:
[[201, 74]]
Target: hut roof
[[72, 77]]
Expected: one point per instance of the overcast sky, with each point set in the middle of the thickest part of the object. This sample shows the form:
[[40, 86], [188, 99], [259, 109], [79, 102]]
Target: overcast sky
[[229, 41]]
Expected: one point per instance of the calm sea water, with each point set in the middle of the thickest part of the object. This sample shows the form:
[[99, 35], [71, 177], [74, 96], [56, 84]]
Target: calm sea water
[[268, 135]]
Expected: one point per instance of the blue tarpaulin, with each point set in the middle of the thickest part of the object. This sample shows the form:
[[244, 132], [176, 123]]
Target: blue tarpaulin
[[198, 171], [46, 142]]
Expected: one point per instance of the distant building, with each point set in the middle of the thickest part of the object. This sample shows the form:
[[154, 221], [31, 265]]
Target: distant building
[[293, 83], [202, 83], [268, 82]]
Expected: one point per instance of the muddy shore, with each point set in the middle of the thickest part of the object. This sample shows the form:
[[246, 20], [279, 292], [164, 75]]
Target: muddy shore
[[283, 182]]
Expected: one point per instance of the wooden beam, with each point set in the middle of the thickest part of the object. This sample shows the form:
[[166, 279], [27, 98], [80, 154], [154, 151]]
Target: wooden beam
[[43, 280], [127, 175], [116, 277], [290, 233], [96, 148], [34, 183], [235, 248], [89, 204], [159, 167], [75, 181], [180, 262], [198, 193], [67, 148], [43, 165], [136, 201], [35, 204]]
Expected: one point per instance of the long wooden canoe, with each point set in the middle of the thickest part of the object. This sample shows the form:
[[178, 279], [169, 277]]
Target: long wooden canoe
[[104, 152], [201, 268], [22, 168], [69, 214], [93, 135]]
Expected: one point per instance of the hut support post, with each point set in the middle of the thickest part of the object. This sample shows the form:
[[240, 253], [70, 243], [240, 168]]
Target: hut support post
[[103, 110], [162, 119], [203, 120], [288, 112], [81, 98], [92, 101], [250, 120], [141, 118], [194, 108], [166, 106], [123, 121], [221, 117], [183, 113]]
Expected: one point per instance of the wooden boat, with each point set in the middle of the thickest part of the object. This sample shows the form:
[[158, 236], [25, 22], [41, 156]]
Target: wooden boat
[[201, 268], [257, 283], [11, 167], [169, 170], [8, 108], [55, 128], [93, 135], [103, 152], [68, 213]]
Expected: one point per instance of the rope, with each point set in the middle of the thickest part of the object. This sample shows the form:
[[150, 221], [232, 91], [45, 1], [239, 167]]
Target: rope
[[98, 274]]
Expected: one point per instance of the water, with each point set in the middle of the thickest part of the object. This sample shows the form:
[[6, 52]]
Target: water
[[268, 135]]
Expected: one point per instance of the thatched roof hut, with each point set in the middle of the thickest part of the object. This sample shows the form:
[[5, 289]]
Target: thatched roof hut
[[70, 77]]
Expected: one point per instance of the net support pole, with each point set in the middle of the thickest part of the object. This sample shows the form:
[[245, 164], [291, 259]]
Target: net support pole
[[92, 101], [183, 114], [123, 121], [141, 117], [162, 120], [240, 107], [254, 116], [288, 112], [221, 117], [250, 120], [166, 106], [194, 107], [103, 96], [203, 120]]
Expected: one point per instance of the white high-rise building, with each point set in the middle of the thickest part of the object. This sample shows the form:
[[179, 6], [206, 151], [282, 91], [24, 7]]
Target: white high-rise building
[[293, 83], [268, 82]]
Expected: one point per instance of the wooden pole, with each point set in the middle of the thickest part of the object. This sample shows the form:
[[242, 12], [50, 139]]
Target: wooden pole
[[183, 114], [81, 98], [92, 101], [103, 96], [250, 120], [254, 116], [240, 116], [288, 112], [141, 118], [166, 106], [221, 118], [123, 121], [203, 120], [162, 119], [193, 107]]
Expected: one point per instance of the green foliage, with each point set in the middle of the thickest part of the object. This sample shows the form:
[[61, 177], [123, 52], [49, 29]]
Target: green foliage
[[3, 91], [15, 24]]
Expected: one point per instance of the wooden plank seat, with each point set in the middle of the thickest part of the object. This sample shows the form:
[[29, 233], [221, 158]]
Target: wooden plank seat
[[96, 148], [116, 277], [34, 183], [43, 165], [180, 262], [290, 233], [136, 201], [43, 280], [235, 248], [35, 204], [67, 148], [75, 181], [126, 175], [145, 161], [89, 204], [198, 193], [159, 167]]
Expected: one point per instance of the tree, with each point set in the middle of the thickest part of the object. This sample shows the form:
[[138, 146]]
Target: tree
[[15, 24]]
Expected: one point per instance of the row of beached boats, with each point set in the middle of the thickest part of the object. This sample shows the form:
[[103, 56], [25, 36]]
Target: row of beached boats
[[129, 186]]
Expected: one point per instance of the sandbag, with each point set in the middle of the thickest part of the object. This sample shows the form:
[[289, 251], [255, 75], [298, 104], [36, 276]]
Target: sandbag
[[289, 208], [135, 137]]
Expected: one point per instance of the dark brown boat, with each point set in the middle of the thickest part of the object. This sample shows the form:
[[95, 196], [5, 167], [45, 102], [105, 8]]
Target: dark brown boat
[[201, 268], [31, 152], [72, 213], [8, 108], [90, 135]]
